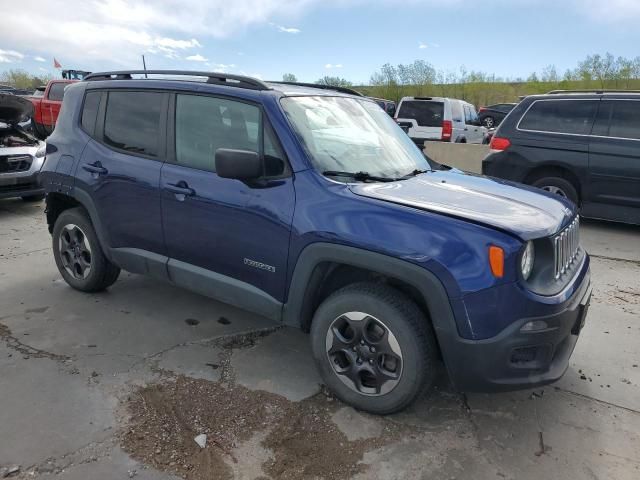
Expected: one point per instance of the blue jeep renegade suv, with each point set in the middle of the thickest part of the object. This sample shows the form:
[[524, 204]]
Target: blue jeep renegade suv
[[310, 206]]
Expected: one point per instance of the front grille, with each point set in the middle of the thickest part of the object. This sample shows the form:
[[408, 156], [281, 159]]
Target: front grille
[[15, 163], [566, 246]]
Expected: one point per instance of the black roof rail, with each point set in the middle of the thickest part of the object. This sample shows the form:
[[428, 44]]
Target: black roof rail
[[597, 91], [323, 87], [227, 79]]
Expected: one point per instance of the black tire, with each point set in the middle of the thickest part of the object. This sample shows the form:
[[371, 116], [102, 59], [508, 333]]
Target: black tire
[[406, 324], [33, 198], [558, 185], [101, 273]]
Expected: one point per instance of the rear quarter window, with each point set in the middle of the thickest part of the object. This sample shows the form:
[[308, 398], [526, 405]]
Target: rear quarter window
[[425, 113], [90, 111], [560, 116]]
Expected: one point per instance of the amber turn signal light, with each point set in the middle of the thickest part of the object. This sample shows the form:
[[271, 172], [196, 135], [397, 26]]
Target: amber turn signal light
[[496, 261]]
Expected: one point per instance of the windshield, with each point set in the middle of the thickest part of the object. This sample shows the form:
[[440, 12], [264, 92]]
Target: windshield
[[352, 135]]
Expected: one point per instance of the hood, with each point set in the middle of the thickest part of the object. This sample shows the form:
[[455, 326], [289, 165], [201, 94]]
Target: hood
[[522, 211], [14, 109]]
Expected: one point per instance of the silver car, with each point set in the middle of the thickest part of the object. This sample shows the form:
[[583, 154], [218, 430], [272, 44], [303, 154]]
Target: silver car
[[21, 154]]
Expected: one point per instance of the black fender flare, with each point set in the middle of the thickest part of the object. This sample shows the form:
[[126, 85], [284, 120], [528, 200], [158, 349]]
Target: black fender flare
[[85, 200], [308, 274]]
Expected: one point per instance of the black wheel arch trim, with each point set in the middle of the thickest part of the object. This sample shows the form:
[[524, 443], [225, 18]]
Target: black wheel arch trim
[[307, 276], [84, 199]]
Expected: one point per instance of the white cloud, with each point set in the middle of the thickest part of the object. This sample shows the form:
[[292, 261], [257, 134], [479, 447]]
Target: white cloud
[[42, 69], [422, 45], [329, 66], [611, 10], [282, 29], [39, 59], [10, 56], [196, 58]]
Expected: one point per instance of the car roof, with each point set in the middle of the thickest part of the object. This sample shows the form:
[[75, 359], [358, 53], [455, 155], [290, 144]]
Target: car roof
[[585, 95], [241, 86]]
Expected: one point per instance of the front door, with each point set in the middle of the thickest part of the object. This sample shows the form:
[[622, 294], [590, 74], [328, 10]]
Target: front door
[[614, 154], [226, 238]]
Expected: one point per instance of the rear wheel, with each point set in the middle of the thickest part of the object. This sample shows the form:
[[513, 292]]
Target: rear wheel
[[558, 186], [374, 348], [489, 122], [78, 254]]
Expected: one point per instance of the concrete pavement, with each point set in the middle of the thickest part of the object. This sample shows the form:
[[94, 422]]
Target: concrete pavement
[[71, 364]]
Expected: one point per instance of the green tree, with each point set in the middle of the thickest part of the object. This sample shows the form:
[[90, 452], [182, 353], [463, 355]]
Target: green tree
[[334, 81], [289, 77]]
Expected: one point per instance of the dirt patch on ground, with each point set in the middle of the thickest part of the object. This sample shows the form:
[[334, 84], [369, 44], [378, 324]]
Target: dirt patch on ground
[[301, 439]]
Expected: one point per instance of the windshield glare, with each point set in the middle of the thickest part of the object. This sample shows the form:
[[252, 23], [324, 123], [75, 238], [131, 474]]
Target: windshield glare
[[352, 135]]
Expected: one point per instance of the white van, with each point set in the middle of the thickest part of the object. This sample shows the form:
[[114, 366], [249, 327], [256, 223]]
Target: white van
[[440, 119]]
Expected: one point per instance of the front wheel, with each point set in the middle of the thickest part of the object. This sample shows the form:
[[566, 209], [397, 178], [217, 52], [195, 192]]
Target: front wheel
[[78, 254], [374, 347]]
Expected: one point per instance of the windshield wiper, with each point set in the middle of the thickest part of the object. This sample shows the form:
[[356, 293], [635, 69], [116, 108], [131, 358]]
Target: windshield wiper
[[415, 173], [358, 176]]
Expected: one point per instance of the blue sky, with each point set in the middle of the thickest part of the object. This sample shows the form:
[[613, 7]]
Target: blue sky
[[313, 38]]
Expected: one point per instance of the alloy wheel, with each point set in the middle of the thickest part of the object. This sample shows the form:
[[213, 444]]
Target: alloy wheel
[[555, 190], [488, 122], [75, 251], [364, 353]]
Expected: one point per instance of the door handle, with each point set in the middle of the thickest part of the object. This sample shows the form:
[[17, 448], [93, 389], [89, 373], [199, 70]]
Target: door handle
[[181, 188], [95, 168]]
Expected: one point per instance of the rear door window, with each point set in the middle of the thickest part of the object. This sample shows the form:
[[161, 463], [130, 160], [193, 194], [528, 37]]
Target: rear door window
[[56, 91], [619, 119], [560, 116], [132, 122], [425, 113]]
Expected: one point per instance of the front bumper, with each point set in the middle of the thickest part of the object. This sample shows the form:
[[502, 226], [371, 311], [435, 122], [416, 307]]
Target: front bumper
[[22, 183], [514, 359]]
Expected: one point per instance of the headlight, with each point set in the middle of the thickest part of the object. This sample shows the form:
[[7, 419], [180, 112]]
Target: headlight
[[42, 151], [526, 262]]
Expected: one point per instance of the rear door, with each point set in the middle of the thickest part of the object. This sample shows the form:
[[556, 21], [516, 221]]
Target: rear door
[[51, 104], [425, 116], [474, 133], [120, 166], [614, 154]]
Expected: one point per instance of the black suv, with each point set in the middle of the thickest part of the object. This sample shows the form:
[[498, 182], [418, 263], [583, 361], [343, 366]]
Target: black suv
[[582, 145]]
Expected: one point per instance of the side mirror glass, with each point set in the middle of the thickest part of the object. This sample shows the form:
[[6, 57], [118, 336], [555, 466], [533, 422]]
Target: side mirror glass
[[238, 164]]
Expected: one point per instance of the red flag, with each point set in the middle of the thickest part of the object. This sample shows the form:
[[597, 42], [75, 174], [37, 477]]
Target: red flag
[[56, 64]]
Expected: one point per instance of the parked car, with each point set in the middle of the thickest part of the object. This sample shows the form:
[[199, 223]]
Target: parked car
[[47, 107], [21, 154], [312, 208], [581, 146], [388, 106], [493, 115], [440, 119]]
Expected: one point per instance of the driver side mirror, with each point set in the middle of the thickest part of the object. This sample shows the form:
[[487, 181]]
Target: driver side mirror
[[238, 164]]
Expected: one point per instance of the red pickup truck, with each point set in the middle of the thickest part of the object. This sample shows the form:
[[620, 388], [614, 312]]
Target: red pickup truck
[[47, 107]]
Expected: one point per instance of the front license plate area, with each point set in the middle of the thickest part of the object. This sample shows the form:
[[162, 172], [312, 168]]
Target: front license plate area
[[583, 308]]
